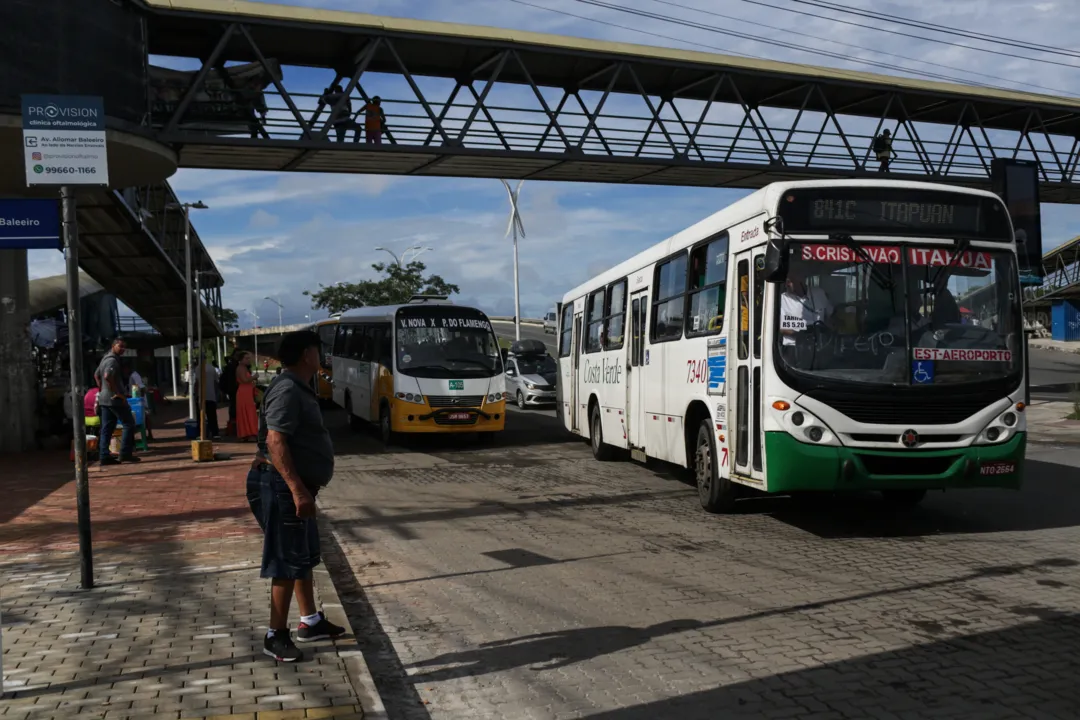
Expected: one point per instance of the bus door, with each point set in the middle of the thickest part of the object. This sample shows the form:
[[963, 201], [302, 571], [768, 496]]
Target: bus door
[[746, 389], [635, 372], [575, 390]]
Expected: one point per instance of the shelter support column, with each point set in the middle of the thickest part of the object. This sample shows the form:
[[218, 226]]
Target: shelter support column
[[18, 389]]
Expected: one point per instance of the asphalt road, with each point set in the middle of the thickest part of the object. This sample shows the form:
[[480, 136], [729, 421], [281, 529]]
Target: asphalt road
[[521, 579]]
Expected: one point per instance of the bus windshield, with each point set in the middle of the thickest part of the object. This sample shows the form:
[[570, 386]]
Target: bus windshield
[[899, 314], [446, 342]]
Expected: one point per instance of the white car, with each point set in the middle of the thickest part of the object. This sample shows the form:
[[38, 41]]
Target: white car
[[549, 323]]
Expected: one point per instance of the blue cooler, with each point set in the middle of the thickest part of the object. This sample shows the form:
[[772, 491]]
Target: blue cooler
[[137, 411], [191, 429]]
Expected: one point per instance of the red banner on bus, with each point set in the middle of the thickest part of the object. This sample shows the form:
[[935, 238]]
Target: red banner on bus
[[961, 354], [891, 254]]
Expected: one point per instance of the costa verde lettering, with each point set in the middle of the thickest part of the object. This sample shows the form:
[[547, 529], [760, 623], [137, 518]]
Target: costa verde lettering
[[608, 373]]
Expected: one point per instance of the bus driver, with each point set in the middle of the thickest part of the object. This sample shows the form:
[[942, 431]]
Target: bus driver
[[801, 306]]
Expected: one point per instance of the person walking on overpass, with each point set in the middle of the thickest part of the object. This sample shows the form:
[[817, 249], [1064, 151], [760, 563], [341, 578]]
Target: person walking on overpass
[[295, 460], [341, 119], [374, 121], [883, 150]]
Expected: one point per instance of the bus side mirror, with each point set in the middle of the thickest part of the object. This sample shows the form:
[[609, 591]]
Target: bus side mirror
[[776, 260]]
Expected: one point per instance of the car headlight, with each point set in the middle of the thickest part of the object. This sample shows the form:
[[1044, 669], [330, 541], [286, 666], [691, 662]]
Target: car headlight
[[804, 426], [410, 397], [531, 386], [1002, 428]]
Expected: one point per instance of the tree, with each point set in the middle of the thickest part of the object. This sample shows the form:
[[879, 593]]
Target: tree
[[227, 319], [398, 284]]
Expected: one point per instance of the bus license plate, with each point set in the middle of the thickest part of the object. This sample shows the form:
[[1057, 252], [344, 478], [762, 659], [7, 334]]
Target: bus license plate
[[459, 416], [997, 468]]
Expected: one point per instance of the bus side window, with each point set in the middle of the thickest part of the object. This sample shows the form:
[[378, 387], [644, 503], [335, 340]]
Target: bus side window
[[594, 336], [384, 346], [355, 348], [744, 309], [708, 286], [669, 299], [341, 341], [565, 339], [615, 315]]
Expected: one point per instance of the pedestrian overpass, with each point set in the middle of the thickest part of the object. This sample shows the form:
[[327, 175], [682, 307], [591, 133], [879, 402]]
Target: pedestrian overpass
[[466, 101]]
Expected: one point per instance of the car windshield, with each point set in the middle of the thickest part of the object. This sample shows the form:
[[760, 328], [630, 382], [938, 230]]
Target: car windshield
[[899, 314], [446, 342], [536, 365]]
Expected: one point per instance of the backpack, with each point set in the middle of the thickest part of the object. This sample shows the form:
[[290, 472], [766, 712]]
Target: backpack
[[881, 144]]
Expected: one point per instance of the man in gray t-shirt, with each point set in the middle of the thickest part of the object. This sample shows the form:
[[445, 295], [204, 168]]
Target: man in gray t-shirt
[[113, 406], [295, 460]]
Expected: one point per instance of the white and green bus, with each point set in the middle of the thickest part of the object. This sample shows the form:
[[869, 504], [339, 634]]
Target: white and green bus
[[813, 336]]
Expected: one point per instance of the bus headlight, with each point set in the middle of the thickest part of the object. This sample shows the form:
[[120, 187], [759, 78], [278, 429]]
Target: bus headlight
[[1001, 428], [495, 397], [410, 397], [807, 428]]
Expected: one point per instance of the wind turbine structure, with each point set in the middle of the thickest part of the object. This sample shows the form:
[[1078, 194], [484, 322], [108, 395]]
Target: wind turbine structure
[[515, 228]]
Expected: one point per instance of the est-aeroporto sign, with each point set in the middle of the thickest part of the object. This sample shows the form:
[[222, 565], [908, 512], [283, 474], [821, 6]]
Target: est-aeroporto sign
[[64, 140]]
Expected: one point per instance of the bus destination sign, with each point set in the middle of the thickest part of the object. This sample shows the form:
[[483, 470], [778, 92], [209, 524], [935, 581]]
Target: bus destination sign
[[894, 212]]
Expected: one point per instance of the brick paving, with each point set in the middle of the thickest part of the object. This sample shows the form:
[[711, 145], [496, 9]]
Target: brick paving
[[529, 581], [175, 623]]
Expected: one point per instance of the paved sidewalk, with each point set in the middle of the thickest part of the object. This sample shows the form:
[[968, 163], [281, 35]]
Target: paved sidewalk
[[1047, 423], [174, 626], [1048, 344]]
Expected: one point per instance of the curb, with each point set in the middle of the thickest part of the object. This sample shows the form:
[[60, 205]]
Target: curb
[[355, 666]]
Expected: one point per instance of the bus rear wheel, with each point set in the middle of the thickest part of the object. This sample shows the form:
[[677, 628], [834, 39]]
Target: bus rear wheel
[[600, 449], [715, 493], [354, 422], [902, 499]]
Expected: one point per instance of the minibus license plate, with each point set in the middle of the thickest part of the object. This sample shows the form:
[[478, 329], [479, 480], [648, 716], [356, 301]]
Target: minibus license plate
[[997, 468], [459, 416]]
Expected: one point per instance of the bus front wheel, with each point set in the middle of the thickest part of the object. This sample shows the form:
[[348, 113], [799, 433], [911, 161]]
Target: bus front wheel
[[386, 426], [715, 493]]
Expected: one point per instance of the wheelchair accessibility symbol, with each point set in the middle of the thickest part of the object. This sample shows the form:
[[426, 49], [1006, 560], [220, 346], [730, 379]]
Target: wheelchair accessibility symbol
[[922, 372]]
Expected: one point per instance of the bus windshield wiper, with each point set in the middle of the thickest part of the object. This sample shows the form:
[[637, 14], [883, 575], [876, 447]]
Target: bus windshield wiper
[[879, 277], [942, 277]]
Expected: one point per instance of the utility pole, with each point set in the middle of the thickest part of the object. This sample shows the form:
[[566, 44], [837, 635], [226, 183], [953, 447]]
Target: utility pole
[[255, 327], [78, 413], [516, 228]]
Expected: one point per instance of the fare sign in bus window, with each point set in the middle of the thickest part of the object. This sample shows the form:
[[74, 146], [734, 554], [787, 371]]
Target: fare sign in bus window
[[894, 212]]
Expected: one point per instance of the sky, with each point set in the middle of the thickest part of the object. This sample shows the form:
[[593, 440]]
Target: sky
[[278, 234]]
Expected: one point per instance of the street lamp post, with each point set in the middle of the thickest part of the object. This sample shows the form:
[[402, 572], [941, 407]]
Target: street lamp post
[[255, 327], [516, 228], [187, 207], [280, 307]]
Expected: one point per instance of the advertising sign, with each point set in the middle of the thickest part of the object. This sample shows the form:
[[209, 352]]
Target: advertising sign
[[29, 224], [64, 140]]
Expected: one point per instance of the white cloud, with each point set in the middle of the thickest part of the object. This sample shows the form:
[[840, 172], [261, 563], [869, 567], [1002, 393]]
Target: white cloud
[[262, 219]]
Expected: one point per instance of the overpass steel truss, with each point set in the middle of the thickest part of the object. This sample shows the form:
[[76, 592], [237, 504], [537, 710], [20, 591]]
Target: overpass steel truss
[[1062, 276], [510, 109]]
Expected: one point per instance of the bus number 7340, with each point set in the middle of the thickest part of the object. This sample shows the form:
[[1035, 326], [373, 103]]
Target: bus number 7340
[[697, 371]]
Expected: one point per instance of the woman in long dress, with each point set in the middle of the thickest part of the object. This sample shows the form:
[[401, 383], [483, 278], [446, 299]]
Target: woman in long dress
[[247, 420]]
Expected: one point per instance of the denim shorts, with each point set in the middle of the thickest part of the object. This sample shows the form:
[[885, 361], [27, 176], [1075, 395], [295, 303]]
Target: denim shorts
[[290, 544]]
